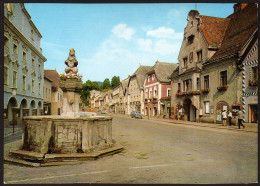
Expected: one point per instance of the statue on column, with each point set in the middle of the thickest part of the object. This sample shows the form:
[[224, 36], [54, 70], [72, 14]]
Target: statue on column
[[71, 63]]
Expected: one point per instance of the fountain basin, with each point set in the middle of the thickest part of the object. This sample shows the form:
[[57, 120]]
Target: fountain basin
[[56, 134]]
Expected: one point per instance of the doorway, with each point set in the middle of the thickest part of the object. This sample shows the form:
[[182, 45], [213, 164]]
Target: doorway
[[253, 115]]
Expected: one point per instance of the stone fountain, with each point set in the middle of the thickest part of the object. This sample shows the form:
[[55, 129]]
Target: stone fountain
[[68, 138]]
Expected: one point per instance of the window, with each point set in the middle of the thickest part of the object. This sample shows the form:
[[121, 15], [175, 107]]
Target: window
[[168, 92], [185, 62], [191, 57], [153, 77], [6, 75], [39, 88], [199, 55], [187, 84], [198, 83], [32, 85], [39, 67], [33, 63], [179, 87], [206, 81], [150, 93], [191, 24], [14, 79], [146, 93], [207, 108], [24, 82], [7, 43], [15, 50], [190, 39], [223, 78], [32, 34], [184, 86], [155, 92], [24, 56], [50, 92], [254, 73], [148, 78]]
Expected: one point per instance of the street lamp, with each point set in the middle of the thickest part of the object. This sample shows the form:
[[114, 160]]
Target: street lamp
[[148, 104]]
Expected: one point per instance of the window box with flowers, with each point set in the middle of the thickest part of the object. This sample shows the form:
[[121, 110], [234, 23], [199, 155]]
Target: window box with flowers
[[224, 87], [253, 83], [195, 92], [205, 90]]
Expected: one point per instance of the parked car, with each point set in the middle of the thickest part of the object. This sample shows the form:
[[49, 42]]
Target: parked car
[[103, 112], [136, 114]]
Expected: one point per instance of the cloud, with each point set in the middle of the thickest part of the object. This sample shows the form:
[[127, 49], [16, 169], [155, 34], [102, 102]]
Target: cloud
[[122, 31], [163, 32], [164, 47], [145, 45]]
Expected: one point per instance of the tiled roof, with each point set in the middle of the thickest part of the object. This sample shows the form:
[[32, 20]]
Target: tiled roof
[[213, 29], [54, 76], [163, 70], [125, 84], [241, 27], [174, 73], [48, 79], [140, 74]]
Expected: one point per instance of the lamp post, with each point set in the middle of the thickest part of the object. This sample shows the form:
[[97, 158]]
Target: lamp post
[[148, 104]]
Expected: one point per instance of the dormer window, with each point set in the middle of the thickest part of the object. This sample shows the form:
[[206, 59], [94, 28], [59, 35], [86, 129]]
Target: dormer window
[[190, 39]]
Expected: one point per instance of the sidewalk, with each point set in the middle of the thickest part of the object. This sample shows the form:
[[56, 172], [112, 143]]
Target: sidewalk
[[248, 126]]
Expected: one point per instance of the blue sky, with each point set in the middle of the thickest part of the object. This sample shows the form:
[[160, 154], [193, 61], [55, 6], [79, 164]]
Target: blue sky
[[114, 39]]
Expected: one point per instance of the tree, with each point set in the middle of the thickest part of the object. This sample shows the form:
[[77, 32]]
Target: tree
[[106, 84], [115, 80], [86, 88]]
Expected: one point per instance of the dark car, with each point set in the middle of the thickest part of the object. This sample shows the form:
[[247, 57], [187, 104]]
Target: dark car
[[136, 114]]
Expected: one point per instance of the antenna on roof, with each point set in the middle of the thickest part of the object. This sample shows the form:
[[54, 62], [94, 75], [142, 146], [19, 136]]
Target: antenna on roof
[[195, 6]]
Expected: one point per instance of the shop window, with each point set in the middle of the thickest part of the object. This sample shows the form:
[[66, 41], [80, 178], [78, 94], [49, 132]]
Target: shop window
[[14, 79], [6, 75], [223, 78], [191, 57], [199, 55], [207, 107], [206, 81]]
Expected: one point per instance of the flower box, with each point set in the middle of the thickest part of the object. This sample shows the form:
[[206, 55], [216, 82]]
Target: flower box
[[225, 87], [206, 90], [253, 83]]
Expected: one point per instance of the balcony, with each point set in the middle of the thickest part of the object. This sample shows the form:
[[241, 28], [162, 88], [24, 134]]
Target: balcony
[[223, 87]]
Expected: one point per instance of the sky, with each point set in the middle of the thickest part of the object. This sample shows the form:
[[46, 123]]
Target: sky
[[114, 39]]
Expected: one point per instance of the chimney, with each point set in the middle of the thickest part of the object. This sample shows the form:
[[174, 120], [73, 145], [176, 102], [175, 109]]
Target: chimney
[[239, 6]]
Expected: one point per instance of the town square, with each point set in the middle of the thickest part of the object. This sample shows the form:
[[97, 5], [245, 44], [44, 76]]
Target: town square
[[130, 93]]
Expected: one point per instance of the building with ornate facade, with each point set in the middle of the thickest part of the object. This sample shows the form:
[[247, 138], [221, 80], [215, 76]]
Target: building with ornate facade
[[157, 89], [47, 95], [23, 64], [135, 89], [209, 77]]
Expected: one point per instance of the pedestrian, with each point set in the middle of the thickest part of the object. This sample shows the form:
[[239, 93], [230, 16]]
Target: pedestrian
[[178, 116], [224, 116], [240, 119], [229, 117]]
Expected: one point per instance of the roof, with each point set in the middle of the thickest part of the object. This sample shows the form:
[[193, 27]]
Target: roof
[[140, 74], [48, 79], [213, 29], [174, 73], [54, 76], [242, 26], [125, 84], [163, 70]]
